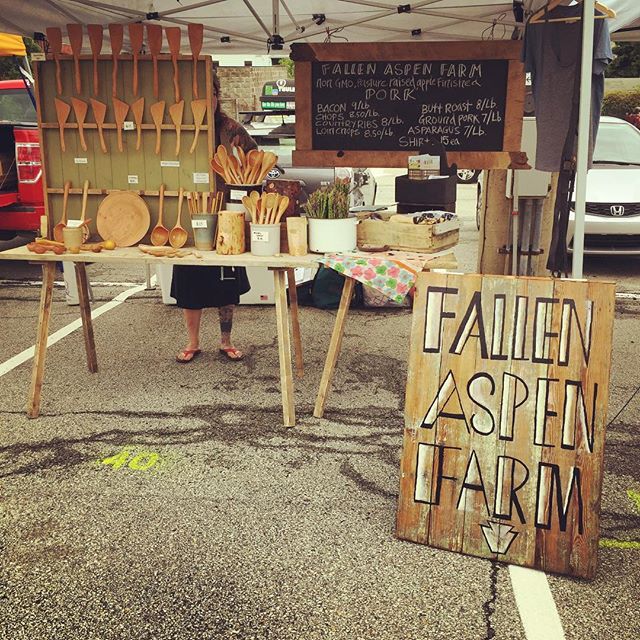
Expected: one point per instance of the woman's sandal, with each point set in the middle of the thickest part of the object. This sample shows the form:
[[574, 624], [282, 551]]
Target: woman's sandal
[[232, 353], [187, 355]]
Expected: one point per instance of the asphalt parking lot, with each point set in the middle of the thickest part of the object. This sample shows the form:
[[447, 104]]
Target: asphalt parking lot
[[155, 500]]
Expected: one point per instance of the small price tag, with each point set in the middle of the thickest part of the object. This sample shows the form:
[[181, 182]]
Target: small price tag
[[259, 236], [38, 57], [199, 224], [132, 179], [128, 125], [170, 163], [237, 194], [81, 160], [200, 178]]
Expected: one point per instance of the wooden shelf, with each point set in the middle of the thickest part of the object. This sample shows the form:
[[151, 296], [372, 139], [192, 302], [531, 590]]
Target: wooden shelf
[[141, 192], [122, 57], [112, 126]]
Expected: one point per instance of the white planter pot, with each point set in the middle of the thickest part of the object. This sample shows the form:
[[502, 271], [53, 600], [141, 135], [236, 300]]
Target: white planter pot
[[332, 236]]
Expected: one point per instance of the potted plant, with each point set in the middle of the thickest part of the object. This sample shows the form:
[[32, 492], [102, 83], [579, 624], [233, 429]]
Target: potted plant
[[331, 230]]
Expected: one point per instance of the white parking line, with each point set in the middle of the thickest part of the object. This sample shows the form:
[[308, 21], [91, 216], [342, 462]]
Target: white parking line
[[60, 283], [27, 354], [536, 605]]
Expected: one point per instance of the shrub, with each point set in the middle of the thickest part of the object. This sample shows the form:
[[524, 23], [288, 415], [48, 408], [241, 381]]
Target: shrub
[[621, 103]]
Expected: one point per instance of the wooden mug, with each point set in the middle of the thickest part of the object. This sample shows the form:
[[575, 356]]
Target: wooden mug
[[230, 237]]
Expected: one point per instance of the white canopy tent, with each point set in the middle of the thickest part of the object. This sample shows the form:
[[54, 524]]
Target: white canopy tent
[[258, 26]]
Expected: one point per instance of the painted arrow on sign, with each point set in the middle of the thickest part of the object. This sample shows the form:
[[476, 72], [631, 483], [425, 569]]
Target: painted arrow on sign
[[498, 536]]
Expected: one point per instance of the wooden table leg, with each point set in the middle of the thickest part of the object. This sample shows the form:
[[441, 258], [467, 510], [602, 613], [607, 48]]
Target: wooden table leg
[[334, 347], [284, 348], [44, 314], [295, 321], [85, 314]]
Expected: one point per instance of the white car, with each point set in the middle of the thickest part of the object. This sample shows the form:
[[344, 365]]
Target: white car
[[612, 220]]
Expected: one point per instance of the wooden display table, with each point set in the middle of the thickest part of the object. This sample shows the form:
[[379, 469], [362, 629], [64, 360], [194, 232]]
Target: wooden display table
[[282, 267]]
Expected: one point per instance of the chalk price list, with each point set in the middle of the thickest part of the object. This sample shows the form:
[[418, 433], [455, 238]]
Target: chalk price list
[[380, 105]]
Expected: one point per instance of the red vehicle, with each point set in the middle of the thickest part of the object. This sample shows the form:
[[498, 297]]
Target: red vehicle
[[21, 201]]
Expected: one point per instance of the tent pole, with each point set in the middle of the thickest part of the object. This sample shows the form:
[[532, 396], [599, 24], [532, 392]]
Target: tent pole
[[584, 128]]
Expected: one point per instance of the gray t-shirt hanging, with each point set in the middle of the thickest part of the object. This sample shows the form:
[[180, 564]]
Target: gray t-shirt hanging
[[551, 52]]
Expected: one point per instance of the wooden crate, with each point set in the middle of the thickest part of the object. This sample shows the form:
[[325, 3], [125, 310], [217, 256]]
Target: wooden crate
[[425, 238]]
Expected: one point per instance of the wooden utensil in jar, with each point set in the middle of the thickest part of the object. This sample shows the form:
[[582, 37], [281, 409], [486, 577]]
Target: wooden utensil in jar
[[116, 35], [54, 36], [281, 208], [154, 39], [99, 114], [157, 113], [74, 32], [138, 111], [120, 110], [199, 110], [95, 39], [80, 111], [178, 235], [173, 37], [136, 37], [195, 41], [62, 113], [160, 233], [175, 112], [57, 230]]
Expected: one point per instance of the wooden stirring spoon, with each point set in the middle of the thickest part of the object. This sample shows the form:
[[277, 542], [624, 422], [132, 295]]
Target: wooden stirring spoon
[[195, 40], [176, 111], [173, 37], [120, 109], [178, 235], [99, 113], [80, 110], [116, 35], [95, 38], [57, 230], [154, 40], [138, 111], [136, 37], [54, 36], [157, 113], [199, 110], [62, 113], [74, 32], [160, 233]]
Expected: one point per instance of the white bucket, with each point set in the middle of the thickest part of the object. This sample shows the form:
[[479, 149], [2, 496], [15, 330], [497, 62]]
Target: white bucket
[[332, 236]]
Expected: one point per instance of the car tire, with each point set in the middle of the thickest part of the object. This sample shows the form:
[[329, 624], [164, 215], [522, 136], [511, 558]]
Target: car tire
[[468, 176]]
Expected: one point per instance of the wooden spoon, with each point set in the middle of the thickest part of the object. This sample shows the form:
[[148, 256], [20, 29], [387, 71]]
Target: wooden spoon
[[250, 207], [80, 109], [57, 230], [257, 165], [173, 36], [83, 213], [95, 38], [62, 113], [195, 41], [282, 207], [116, 34], [74, 31], [219, 169], [178, 235], [120, 110], [175, 112], [157, 113], [138, 111], [199, 110], [160, 233], [136, 37], [271, 201], [54, 36], [154, 39], [99, 113]]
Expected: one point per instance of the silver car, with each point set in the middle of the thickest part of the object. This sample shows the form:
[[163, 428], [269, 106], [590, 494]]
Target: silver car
[[612, 220]]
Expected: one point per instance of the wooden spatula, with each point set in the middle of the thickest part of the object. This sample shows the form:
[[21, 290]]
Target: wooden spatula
[[120, 110], [116, 34], [99, 113], [74, 31], [54, 36], [157, 113], [80, 110], [95, 38], [154, 40], [195, 41], [138, 111], [176, 111], [62, 113], [173, 36], [136, 36], [199, 109]]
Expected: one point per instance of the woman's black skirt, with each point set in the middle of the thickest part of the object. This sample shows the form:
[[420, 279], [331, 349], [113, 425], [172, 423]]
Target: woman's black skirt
[[201, 287]]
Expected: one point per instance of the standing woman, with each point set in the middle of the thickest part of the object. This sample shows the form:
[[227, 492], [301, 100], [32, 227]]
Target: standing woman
[[196, 288]]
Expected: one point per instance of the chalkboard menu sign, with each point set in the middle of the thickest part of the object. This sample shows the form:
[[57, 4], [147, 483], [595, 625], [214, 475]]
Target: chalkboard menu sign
[[375, 104], [460, 104]]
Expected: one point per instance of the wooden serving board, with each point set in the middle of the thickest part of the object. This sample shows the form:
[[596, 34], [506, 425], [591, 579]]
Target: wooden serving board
[[124, 218]]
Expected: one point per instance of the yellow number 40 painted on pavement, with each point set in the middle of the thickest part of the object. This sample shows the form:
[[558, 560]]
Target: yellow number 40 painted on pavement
[[139, 462]]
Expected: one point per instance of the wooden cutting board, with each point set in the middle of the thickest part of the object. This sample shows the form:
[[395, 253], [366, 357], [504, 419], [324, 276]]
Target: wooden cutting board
[[123, 217]]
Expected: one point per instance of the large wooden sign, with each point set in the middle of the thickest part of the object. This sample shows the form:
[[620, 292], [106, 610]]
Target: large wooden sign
[[396, 100], [505, 418]]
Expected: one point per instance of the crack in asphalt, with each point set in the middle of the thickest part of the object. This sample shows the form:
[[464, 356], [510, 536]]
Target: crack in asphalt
[[489, 606]]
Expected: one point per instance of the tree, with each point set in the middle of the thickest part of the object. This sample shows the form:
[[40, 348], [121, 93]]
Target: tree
[[9, 65], [290, 66], [626, 61]]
